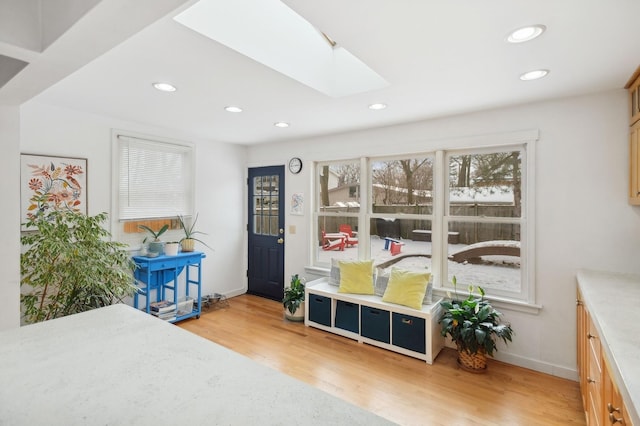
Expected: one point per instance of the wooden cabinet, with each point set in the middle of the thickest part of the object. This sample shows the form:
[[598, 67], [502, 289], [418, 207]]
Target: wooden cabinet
[[633, 86], [601, 400], [634, 164]]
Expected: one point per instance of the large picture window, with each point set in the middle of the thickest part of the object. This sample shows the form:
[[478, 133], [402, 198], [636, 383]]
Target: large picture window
[[456, 212]]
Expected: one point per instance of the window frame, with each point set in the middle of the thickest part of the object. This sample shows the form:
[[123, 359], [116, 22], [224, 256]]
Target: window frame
[[525, 141], [447, 218]]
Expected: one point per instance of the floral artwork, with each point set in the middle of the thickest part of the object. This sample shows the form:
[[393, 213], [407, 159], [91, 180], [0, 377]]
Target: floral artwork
[[52, 183]]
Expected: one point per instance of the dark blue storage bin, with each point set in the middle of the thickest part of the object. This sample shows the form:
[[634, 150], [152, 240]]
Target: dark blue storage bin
[[375, 324], [319, 309], [347, 316], [408, 332]]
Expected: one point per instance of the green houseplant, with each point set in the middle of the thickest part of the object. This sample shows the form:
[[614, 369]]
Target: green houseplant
[[188, 242], [293, 300], [70, 266], [474, 325], [155, 246]]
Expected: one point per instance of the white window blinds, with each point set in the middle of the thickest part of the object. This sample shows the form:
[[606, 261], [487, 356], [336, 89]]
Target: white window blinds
[[155, 179]]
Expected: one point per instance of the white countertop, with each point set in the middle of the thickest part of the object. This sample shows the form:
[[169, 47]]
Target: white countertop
[[613, 301], [119, 366]]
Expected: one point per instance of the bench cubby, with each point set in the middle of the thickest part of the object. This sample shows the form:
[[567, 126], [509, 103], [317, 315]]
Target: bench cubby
[[367, 319]]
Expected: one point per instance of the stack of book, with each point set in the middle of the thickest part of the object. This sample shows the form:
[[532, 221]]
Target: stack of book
[[164, 310]]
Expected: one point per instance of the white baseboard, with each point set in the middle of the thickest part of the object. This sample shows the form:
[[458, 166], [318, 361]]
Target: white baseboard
[[533, 364]]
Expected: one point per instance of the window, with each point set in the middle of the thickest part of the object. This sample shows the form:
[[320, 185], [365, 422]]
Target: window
[[483, 219], [154, 183], [338, 205], [464, 211]]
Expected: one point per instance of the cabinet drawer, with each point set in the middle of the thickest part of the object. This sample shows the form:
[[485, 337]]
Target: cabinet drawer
[[320, 309], [347, 316], [163, 264], [375, 324], [408, 332]]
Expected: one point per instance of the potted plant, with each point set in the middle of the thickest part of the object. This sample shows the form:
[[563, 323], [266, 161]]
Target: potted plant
[[293, 300], [474, 325], [70, 266], [171, 248], [189, 241], [156, 246]]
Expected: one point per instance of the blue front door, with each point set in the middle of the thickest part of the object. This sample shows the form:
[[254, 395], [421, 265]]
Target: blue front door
[[266, 232]]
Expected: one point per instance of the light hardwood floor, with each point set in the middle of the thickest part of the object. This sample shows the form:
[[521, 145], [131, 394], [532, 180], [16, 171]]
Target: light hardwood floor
[[399, 388]]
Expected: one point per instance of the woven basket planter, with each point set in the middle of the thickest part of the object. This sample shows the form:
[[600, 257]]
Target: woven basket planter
[[188, 244], [475, 363]]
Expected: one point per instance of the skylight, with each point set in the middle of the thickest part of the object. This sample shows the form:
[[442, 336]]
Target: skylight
[[285, 42]]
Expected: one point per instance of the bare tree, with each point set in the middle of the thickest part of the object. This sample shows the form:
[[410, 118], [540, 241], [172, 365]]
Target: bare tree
[[324, 186], [409, 167]]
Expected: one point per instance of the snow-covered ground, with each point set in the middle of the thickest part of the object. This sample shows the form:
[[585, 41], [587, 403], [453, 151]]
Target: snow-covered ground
[[497, 272]]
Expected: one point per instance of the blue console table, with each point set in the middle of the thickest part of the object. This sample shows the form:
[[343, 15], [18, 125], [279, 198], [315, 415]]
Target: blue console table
[[161, 273]]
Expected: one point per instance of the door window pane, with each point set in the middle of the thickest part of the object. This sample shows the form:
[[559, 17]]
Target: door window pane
[[265, 205]]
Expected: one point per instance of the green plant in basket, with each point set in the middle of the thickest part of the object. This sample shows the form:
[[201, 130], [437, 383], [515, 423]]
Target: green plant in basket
[[189, 240], [472, 323]]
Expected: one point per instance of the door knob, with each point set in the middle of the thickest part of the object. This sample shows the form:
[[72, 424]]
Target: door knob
[[280, 240]]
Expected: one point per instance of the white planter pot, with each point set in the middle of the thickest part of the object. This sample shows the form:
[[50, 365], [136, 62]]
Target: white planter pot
[[298, 315], [171, 249]]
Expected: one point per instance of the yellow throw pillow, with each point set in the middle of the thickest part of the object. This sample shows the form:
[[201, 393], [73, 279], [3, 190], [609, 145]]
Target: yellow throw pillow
[[356, 277], [406, 288]]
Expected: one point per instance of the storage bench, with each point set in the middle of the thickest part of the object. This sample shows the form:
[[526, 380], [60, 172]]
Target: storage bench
[[367, 319]]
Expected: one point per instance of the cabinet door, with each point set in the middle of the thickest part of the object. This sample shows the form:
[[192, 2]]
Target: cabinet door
[[634, 164], [615, 412], [319, 309], [595, 406], [375, 324], [583, 366], [347, 316], [408, 332]]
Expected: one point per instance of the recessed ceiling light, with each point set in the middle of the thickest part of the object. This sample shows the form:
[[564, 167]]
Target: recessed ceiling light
[[525, 33], [377, 106], [534, 75], [165, 87], [281, 124], [233, 109]]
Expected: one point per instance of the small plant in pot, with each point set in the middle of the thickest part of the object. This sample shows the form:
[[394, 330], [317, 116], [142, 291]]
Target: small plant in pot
[[293, 300], [474, 325], [156, 247], [189, 241]]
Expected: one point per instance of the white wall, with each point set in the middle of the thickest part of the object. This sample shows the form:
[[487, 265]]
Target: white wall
[[10, 223], [220, 181], [583, 219]]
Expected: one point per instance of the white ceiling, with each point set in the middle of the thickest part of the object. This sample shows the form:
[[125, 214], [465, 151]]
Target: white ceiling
[[440, 58]]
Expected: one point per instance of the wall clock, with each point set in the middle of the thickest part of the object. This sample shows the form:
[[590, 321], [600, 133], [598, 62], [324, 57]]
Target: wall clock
[[295, 165]]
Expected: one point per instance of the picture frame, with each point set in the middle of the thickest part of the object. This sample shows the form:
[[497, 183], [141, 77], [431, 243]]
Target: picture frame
[[297, 204], [50, 182]]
